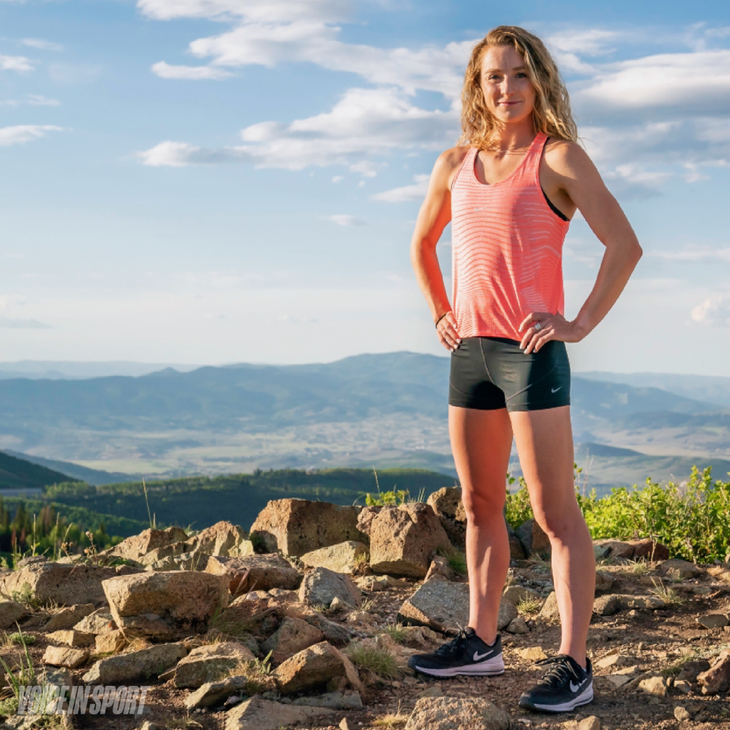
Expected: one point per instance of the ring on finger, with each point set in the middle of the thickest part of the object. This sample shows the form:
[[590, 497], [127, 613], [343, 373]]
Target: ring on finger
[[538, 326]]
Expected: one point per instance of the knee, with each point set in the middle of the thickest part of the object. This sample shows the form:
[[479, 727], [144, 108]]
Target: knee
[[558, 521], [482, 508]]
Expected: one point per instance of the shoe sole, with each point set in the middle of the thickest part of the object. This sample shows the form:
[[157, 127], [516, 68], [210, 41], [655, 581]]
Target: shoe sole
[[583, 698], [491, 667]]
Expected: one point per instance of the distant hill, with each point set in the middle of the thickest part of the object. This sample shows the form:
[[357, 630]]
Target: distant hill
[[20, 474], [82, 473]]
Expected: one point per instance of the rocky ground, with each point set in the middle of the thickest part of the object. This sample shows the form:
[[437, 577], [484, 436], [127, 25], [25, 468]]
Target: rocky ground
[[309, 620]]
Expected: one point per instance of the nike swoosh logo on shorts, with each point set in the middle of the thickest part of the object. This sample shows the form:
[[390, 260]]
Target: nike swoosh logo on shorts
[[479, 657], [555, 390]]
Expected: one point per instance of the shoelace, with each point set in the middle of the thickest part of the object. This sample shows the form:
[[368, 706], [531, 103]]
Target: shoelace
[[456, 644], [560, 671]]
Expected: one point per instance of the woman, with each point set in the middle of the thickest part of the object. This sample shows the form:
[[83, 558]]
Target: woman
[[510, 189]]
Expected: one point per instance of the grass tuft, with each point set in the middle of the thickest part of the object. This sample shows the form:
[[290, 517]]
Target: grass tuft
[[378, 661]]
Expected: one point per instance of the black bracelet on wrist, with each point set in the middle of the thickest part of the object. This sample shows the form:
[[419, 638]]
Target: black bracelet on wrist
[[440, 318]]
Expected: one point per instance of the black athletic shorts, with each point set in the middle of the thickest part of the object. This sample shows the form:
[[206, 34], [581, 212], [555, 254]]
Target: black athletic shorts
[[493, 372]]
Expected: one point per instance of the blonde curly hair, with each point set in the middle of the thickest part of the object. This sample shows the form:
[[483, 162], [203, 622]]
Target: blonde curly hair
[[551, 115]]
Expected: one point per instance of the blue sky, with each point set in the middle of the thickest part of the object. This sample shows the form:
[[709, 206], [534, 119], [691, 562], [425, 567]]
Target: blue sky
[[215, 181]]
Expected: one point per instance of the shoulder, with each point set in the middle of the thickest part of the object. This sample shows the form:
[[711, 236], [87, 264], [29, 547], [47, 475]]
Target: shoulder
[[568, 159], [448, 164]]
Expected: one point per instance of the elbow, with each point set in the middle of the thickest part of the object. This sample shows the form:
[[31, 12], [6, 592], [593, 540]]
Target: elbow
[[637, 252]]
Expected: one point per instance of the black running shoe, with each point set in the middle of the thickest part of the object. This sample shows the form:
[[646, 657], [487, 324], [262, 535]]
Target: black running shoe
[[465, 654], [565, 686]]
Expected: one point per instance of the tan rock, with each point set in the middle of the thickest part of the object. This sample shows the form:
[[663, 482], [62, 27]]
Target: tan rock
[[549, 609], [99, 622], [713, 621], [214, 693], [345, 557], [71, 637], [516, 594], [452, 713], [589, 723], [254, 572], [209, 662], [110, 642], [260, 714], [61, 656], [137, 546], [10, 612], [165, 605], [607, 605], [291, 637], [533, 538], [134, 665], [298, 526], [717, 678], [321, 586], [517, 625], [313, 667], [67, 618], [63, 584], [532, 653], [656, 686], [440, 569], [449, 508], [404, 539], [223, 538], [681, 569]]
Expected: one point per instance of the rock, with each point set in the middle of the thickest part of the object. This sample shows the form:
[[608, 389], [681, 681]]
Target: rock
[[222, 538], [451, 713], [713, 621], [516, 551], [255, 572], [165, 605], [315, 666], [138, 546], [71, 638], [683, 686], [692, 669], [261, 714], [440, 569], [604, 582], [614, 660], [99, 622], [372, 583], [589, 723], [333, 632], [444, 606], [404, 539], [291, 637], [110, 642], [67, 618], [533, 538], [516, 594], [322, 585], [717, 678], [680, 568], [348, 700], [656, 686], [141, 664], [517, 626], [282, 596], [298, 526], [549, 609], [345, 557], [649, 602], [681, 714], [66, 585], [630, 549], [619, 680], [607, 605], [215, 693], [649, 550], [10, 612], [208, 662], [61, 656], [448, 507], [532, 653]]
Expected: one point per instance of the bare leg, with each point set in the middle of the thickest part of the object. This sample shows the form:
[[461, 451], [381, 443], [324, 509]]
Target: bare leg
[[545, 445], [481, 443]]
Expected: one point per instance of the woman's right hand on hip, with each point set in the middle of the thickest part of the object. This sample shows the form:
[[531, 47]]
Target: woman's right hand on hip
[[448, 335]]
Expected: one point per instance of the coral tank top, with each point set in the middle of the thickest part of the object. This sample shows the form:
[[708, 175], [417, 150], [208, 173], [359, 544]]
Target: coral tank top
[[507, 246]]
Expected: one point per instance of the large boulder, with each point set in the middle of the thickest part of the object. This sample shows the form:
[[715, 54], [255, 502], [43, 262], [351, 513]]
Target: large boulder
[[10, 612], [137, 546], [322, 586], [141, 664], [255, 572], [63, 584], [298, 526], [291, 637], [455, 713], [449, 508], [404, 539], [209, 663], [165, 606], [315, 666], [260, 714]]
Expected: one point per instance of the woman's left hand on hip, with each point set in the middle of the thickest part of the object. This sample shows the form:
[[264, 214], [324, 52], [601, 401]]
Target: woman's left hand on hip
[[541, 327]]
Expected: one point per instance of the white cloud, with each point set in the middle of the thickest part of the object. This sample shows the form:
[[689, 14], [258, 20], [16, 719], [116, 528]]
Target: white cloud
[[348, 221], [15, 63], [363, 124], [416, 191], [41, 45], [31, 100], [695, 254], [713, 311], [24, 133], [195, 73], [337, 179]]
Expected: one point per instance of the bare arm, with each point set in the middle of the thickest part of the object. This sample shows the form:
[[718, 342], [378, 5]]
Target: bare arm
[[582, 183], [433, 217]]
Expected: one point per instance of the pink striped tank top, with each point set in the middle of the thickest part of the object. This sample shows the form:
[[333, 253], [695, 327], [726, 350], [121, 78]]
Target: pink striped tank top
[[507, 248]]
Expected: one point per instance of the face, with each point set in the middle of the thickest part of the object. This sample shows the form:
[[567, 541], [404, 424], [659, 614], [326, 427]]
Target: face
[[508, 92]]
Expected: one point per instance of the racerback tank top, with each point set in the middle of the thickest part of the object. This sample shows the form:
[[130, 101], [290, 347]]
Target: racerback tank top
[[507, 246]]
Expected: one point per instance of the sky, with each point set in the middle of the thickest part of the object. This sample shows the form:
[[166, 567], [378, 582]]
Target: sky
[[219, 181]]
